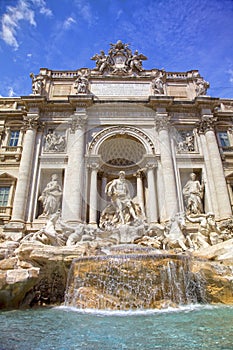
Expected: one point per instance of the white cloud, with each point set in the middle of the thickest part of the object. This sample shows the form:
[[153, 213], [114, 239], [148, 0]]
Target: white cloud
[[119, 13], [10, 21], [68, 22], [22, 11], [43, 9], [85, 11], [230, 72]]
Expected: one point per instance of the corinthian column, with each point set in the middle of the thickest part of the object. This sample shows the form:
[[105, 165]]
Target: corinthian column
[[93, 194], [170, 193], [221, 193], [140, 192], [152, 197], [73, 194], [25, 168]]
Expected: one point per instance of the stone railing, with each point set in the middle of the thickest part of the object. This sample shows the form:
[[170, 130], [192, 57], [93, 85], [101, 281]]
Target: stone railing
[[59, 75], [177, 75]]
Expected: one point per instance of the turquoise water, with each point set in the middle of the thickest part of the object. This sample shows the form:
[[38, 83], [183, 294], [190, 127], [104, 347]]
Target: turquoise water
[[192, 327]]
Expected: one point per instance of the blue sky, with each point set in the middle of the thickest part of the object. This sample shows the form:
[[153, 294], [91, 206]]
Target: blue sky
[[177, 35]]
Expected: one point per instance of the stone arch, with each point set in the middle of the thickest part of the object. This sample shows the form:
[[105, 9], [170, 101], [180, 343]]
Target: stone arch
[[129, 131]]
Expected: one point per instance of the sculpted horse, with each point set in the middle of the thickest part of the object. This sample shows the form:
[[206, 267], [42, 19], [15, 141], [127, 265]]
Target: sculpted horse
[[174, 233]]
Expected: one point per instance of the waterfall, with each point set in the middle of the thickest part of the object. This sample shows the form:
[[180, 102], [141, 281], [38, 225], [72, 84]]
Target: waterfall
[[133, 281]]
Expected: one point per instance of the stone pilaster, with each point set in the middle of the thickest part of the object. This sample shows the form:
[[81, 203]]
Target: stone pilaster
[[162, 125], [140, 192], [93, 203], [152, 195], [104, 181], [73, 186], [211, 203], [25, 168], [207, 127]]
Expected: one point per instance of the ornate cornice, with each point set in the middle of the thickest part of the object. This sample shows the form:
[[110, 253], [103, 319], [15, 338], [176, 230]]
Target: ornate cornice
[[81, 100]]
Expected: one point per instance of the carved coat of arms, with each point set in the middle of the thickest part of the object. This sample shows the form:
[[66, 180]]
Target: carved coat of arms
[[119, 61]]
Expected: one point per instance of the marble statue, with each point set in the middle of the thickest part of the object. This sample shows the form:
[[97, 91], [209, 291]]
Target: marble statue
[[208, 233], [81, 84], [119, 61], [48, 234], [37, 84], [118, 190], [174, 233], [201, 86], [51, 197], [122, 210], [187, 144], [193, 193], [102, 61], [158, 83], [72, 234], [135, 62], [54, 142]]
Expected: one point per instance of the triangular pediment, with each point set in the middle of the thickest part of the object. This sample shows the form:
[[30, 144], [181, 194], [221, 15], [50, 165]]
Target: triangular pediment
[[6, 176]]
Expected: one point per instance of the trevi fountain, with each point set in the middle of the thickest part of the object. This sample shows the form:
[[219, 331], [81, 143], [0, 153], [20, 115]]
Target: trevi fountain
[[117, 228]]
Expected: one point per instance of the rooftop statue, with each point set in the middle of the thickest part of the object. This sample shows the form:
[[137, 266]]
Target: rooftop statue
[[37, 84], [82, 83], [201, 86], [120, 60], [158, 83]]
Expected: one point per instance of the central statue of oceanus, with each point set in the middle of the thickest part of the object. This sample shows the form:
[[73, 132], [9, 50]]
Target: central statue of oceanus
[[122, 209]]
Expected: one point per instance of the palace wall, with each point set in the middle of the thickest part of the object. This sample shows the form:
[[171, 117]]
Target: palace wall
[[85, 126]]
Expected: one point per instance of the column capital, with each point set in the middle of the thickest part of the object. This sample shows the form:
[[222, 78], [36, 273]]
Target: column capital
[[162, 121], [207, 123], [139, 174], [150, 166], [79, 119], [31, 119], [94, 166]]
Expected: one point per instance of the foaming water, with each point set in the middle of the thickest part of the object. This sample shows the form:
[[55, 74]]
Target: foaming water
[[138, 312], [67, 328]]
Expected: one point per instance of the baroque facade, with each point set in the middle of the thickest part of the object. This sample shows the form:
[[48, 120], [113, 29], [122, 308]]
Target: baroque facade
[[62, 145]]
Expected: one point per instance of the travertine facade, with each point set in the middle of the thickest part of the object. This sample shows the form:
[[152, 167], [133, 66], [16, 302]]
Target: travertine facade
[[62, 144]]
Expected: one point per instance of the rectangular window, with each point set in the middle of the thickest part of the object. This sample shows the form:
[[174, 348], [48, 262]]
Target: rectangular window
[[4, 195], [14, 138], [223, 138]]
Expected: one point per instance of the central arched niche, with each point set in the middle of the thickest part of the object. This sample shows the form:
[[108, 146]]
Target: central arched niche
[[121, 151], [118, 148]]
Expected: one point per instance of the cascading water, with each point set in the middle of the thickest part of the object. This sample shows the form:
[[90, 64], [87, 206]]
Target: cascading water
[[133, 281]]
